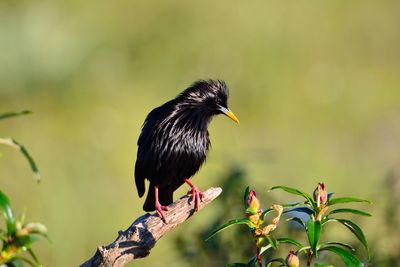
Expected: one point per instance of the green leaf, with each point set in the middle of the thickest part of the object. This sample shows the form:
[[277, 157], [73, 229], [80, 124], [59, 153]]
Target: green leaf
[[295, 191], [310, 232], [14, 114], [287, 240], [298, 220], [347, 257], [5, 208], [356, 230], [265, 248], [313, 234], [317, 232], [306, 249], [36, 228], [229, 224], [272, 241], [245, 196], [265, 212], [322, 265], [294, 204], [252, 262], [336, 243], [31, 263], [17, 261], [338, 200], [354, 211], [282, 240], [14, 144], [33, 255], [24, 241]]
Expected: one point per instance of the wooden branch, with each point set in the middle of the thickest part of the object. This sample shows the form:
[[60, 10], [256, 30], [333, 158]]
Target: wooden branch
[[137, 241]]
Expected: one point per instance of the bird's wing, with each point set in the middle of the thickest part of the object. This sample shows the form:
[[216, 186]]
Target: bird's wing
[[153, 119], [145, 159]]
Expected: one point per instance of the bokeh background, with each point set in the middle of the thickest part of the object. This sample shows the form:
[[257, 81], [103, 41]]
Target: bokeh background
[[315, 84]]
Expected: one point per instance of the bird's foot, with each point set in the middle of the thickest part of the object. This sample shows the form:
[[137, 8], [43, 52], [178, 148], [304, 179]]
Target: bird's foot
[[197, 196], [160, 211]]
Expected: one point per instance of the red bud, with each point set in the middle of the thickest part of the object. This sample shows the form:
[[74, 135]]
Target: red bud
[[320, 195], [253, 204]]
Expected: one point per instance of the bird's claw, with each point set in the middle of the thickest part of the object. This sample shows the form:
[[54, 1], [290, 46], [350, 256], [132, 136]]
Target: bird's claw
[[160, 211], [197, 196]]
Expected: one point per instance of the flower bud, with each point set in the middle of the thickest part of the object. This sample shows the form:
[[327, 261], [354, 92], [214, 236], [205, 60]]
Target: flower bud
[[253, 204], [320, 195], [254, 218], [36, 228], [292, 260]]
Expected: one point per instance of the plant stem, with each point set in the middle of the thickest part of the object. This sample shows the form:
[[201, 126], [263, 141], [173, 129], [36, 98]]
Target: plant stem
[[309, 257], [259, 257]]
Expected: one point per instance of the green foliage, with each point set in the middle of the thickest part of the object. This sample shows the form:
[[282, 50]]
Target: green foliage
[[338, 200], [229, 224], [348, 257], [16, 145], [355, 229], [313, 230], [7, 212], [296, 192], [279, 241], [18, 235], [315, 208], [219, 249], [358, 212], [7, 115]]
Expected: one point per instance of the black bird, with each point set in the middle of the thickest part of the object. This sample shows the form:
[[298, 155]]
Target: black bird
[[174, 142]]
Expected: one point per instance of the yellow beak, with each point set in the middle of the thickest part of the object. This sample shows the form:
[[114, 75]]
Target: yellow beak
[[230, 114]]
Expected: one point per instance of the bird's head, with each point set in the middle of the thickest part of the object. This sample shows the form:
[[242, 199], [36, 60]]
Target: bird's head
[[210, 96]]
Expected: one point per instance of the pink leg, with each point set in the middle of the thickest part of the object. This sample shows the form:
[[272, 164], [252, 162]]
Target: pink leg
[[159, 207], [197, 195]]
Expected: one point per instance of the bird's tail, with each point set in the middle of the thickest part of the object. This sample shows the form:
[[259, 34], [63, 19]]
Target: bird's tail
[[139, 179], [165, 196]]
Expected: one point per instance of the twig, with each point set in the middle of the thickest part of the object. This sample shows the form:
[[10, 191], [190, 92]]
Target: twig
[[137, 241]]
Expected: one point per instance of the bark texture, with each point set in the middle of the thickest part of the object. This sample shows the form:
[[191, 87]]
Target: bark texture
[[137, 241]]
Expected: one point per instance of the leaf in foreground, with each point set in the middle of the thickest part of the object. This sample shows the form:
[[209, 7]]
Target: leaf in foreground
[[353, 211], [7, 115], [5, 208], [281, 240], [313, 234], [338, 200], [348, 258], [356, 230], [14, 144], [340, 244], [295, 192], [229, 224]]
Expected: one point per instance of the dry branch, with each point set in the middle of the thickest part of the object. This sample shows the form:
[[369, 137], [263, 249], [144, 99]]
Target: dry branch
[[137, 241]]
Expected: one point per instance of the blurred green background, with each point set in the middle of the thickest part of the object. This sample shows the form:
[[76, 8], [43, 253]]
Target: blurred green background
[[315, 84]]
